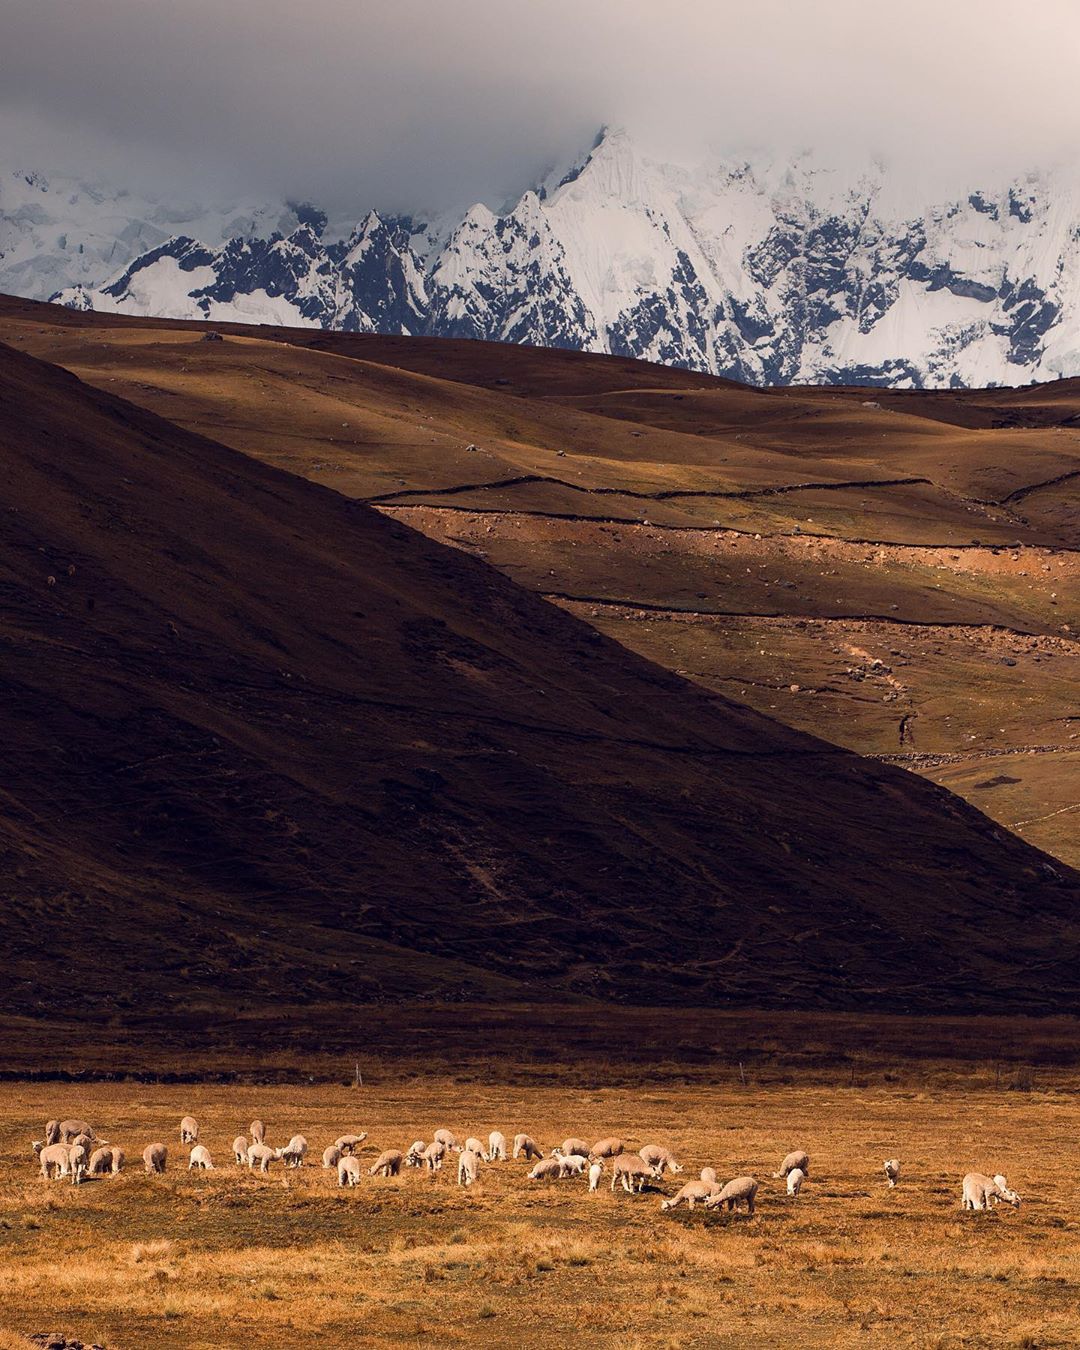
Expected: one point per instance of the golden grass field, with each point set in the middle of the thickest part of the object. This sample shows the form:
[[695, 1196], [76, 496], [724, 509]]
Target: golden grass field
[[231, 1259]]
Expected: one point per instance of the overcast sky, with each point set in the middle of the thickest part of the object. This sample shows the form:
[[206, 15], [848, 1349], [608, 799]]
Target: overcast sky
[[411, 104]]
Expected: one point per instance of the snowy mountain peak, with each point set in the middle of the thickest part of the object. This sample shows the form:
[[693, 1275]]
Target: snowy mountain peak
[[612, 171]]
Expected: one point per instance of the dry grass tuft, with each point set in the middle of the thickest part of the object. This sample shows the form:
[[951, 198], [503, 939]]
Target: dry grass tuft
[[161, 1249]]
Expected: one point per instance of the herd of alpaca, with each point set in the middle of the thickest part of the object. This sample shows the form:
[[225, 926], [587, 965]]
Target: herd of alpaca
[[72, 1149]]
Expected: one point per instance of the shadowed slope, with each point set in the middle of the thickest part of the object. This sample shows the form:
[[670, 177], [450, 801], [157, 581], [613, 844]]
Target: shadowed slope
[[263, 743], [895, 572]]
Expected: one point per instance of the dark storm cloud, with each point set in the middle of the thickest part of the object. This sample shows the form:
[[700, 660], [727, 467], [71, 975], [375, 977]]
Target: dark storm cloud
[[418, 103]]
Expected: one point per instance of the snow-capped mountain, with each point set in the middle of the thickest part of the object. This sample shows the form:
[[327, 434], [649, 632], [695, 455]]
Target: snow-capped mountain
[[770, 272], [56, 232]]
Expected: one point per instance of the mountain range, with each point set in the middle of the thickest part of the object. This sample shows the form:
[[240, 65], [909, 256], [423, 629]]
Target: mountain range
[[769, 272]]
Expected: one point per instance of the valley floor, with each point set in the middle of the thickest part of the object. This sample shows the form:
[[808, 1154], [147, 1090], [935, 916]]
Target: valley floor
[[228, 1258]]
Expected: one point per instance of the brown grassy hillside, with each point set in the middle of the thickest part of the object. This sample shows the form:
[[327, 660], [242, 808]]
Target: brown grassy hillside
[[264, 744], [897, 572]]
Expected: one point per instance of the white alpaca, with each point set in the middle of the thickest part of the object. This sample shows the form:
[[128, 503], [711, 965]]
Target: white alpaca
[[468, 1166], [659, 1157], [69, 1131], [77, 1160], [294, 1151], [797, 1159], [434, 1155], [348, 1171], [632, 1172], [263, 1155], [740, 1190], [54, 1161], [155, 1157], [693, 1193], [572, 1164], [547, 1169], [101, 1162], [569, 1146], [983, 1192]]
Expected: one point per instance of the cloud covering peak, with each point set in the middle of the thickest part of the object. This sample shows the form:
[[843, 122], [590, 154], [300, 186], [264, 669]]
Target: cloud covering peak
[[425, 105]]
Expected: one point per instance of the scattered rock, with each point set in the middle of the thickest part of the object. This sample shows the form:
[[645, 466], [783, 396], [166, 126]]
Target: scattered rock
[[212, 337], [52, 1340]]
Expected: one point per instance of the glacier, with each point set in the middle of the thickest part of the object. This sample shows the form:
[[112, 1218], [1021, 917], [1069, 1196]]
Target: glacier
[[768, 271]]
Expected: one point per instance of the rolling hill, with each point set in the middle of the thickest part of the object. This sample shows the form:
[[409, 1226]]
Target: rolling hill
[[895, 572], [265, 746]]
